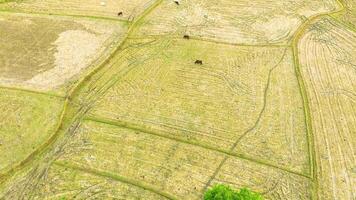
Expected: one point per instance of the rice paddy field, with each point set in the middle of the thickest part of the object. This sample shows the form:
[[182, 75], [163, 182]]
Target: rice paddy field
[[163, 99]]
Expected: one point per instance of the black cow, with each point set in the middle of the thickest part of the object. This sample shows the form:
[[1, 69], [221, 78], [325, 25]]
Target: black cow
[[198, 62]]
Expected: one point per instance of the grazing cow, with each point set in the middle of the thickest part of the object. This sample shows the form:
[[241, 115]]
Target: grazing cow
[[119, 14], [186, 37], [198, 62], [177, 2]]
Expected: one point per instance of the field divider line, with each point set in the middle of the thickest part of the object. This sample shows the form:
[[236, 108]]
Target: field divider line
[[116, 177], [308, 122], [20, 165], [135, 127], [118, 48], [64, 126], [177, 37], [302, 88], [32, 91], [346, 26], [237, 44], [62, 15]]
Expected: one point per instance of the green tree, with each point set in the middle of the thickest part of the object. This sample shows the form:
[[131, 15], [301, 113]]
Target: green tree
[[223, 192]]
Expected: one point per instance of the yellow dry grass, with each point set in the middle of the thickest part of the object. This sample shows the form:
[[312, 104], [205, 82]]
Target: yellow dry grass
[[172, 168], [279, 136], [93, 8], [27, 121], [327, 57], [231, 21], [348, 16], [233, 102], [43, 53], [260, 95], [63, 182], [273, 184]]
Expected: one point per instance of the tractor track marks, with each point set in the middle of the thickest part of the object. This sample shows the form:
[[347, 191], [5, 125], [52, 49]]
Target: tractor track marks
[[255, 124], [69, 125], [64, 15], [70, 119], [308, 121], [228, 154], [330, 80], [179, 37], [117, 178]]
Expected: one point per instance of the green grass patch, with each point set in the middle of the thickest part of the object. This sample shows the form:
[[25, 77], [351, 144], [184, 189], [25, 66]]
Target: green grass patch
[[223, 192]]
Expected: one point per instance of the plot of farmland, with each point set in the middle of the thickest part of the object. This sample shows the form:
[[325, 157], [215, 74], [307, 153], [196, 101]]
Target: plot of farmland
[[348, 15], [128, 10], [26, 122], [63, 182], [231, 21], [331, 80], [231, 97], [164, 99], [167, 165], [45, 52]]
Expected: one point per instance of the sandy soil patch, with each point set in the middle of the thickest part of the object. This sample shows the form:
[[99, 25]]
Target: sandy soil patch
[[75, 49]]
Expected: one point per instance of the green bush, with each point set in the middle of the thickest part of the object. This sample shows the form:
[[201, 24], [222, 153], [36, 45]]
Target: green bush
[[223, 192]]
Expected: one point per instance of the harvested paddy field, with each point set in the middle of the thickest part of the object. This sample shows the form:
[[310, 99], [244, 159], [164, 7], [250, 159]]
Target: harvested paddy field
[[348, 15], [27, 122], [243, 21], [166, 99], [45, 52], [168, 167], [110, 9], [168, 94], [331, 80]]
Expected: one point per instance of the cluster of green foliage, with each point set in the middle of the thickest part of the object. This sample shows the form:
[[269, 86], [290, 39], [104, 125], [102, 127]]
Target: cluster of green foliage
[[223, 192]]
